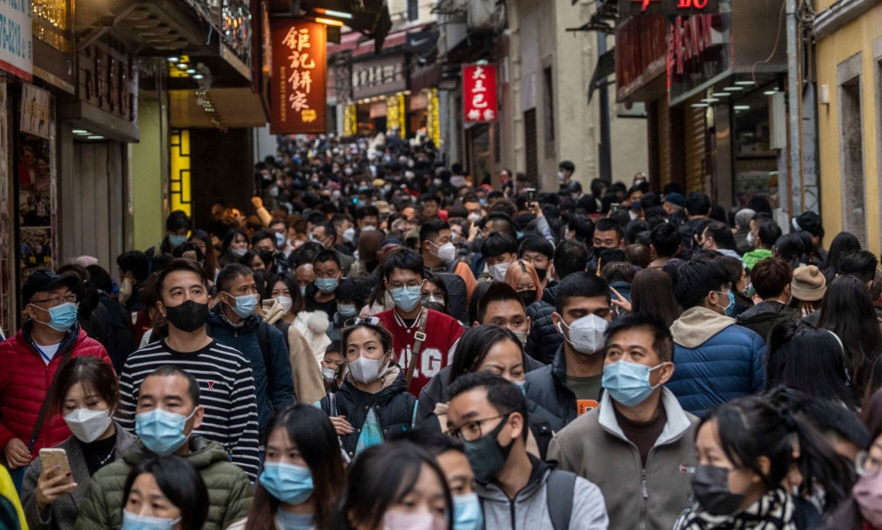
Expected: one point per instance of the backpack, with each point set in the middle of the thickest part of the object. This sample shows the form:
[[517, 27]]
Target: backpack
[[559, 495]]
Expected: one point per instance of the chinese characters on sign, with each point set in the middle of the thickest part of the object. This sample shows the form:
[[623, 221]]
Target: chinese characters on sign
[[299, 70], [479, 92], [667, 7]]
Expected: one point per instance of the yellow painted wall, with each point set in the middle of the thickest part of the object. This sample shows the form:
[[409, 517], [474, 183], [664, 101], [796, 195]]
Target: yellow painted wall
[[857, 36]]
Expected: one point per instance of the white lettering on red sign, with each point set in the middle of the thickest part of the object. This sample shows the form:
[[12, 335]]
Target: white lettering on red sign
[[479, 93]]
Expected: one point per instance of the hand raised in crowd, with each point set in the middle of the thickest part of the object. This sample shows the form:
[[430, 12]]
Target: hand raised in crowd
[[17, 454], [50, 487], [620, 301]]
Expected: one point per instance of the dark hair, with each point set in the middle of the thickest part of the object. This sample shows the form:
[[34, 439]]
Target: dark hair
[[473, 347], [570, 257], [536, 244], [385, 336], [179, 265], [354, 290], [606, 224], [100, 278], [697, 203], [831, 417], [381, 477], [311, 431], [170, 370], [722, 234], [497, 292], [617, 271], [768, 233], [583, 229], [135, 261], [751, 427], [92, 374], [232, 233], [432, 442], [432, 228], [809, 359], [791, 247], [498, 244], [770, 276], [860, 263], [179, 482], [871, 415], [437, 281], [665, 238], [326, 256], [297, 302], [229, 273], [662, 341], [875, 382], [652, 294], [505, 397], [842, 243], [177, 220], [582, 285], [480, 289], [847, 311], [260, 235], [404, 259], [694, 279]]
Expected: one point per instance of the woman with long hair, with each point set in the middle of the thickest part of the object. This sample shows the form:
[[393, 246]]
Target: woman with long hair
[[396, 486], [233, 247], [522, 277], [809, 359], [202, 240], [745, 449], [842, 243], [847, 311], [434, 293], [302, 475], [652, 293], [164, 492], [86, 393]]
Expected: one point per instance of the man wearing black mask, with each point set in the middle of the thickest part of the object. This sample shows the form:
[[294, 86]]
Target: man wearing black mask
[[517, 490], [224, 376]]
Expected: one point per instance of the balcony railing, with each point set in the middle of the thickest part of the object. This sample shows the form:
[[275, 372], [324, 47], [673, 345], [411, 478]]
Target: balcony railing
[[231, 19]]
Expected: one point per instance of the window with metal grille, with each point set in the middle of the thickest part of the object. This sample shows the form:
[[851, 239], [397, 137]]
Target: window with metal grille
[[413, 10]]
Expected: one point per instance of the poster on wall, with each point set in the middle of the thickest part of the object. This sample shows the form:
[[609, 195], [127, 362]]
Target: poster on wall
[[36, 111]]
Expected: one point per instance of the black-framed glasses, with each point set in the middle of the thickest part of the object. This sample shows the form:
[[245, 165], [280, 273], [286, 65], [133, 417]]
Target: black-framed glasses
[[358, 321], [474, 430], [866, 465], [52, 302]]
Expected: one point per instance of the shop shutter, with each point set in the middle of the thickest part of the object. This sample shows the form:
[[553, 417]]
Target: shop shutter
[[695, 147], [530, 148], [663, 136]]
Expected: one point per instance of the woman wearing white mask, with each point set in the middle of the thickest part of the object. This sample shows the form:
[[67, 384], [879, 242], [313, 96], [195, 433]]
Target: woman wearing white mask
[[302, 477], [85, 392], [164, 493], [373, 402]]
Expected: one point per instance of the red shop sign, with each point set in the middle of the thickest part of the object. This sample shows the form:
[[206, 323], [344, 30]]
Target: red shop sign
[[299, 69], [667, 7], [479, 92]]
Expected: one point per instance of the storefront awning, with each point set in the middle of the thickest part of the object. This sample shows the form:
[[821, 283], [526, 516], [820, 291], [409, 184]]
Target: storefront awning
[[235, 108]]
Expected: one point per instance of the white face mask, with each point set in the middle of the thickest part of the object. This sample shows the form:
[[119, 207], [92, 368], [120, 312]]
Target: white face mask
[[349, 235], [329, 375], [497, 272], [367, 371], [368, 228], [751, 240], [87, 425], [286, 303], [474, 217], [561, 176], [585, 334], [445, 252]]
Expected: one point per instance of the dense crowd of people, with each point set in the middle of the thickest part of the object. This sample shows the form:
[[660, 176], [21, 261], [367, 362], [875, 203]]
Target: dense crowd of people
[[384, 342]]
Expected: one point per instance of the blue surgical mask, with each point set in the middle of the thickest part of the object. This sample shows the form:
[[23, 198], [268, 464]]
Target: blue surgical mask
[[521, 386], [346, 310], [245, 305], [176, 241], [61, 317], [133, 521], [467, 514], [281, 241], [287, 483], [730, 311], [162, 432], [406, 298], [326, 285], [303, 291], [628, 383]]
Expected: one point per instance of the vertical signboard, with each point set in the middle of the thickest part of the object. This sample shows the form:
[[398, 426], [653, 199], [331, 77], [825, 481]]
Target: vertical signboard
[[479, 92], [299, 69], [16, 46]]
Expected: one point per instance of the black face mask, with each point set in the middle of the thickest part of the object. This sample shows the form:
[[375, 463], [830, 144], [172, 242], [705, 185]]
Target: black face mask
[[527, 297], [710, 485], [541, 273], [486, 456], [188, 316]]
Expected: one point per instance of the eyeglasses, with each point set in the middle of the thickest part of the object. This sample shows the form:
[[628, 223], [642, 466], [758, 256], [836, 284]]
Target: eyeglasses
[[473, 430], [359, 321], [52, 302], [866, 465], [393, 286]]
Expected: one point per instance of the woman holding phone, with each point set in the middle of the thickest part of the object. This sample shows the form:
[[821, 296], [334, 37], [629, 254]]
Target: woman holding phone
[[86, 393]]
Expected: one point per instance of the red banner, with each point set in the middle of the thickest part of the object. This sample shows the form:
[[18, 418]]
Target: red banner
[[479, 92], [299, 69]]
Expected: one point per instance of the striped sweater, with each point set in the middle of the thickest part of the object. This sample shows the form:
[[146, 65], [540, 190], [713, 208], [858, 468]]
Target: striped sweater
[[226, 390]]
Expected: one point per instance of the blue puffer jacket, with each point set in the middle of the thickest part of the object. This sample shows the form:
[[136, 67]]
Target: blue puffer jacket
[[271, 395], [716, 361]]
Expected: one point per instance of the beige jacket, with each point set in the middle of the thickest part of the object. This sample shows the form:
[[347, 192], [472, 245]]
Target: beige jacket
[[308, 384]]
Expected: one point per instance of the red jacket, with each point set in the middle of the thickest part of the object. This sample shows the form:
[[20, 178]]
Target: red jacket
[[24, 385]]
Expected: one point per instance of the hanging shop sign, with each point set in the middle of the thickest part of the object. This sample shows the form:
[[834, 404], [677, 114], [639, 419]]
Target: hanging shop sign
[[109, 80], [667, 7], [16, 45], [378, 77], [479, 92], [396, 116], [36, 111], [299, 68]]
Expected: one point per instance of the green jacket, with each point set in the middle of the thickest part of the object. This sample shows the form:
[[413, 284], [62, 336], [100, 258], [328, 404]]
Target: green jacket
[[229, 490], [755, 256]]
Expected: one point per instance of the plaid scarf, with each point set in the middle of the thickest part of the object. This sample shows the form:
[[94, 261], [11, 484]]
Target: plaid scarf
[[774, 511]]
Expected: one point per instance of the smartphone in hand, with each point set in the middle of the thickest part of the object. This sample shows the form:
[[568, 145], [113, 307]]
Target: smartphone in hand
[[57, 457]]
